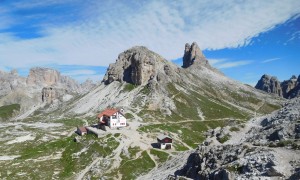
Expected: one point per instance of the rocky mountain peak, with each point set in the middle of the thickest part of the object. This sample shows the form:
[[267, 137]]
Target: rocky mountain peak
[[269, 84], [293, 77], [287, 89], [43, 76], [137, 65], [193, 55]]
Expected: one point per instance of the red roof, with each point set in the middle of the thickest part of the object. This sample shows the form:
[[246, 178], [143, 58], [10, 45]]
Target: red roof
[[107, 112], [82, 129]]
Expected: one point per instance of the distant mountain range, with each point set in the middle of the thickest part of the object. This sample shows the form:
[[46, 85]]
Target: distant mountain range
[[42, 86], [287, 89]]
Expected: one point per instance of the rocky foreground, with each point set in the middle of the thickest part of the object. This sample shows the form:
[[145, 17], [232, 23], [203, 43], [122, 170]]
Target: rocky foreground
[[266, 148]]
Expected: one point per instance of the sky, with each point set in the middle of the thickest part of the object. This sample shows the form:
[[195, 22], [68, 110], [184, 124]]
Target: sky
[[243, 38]]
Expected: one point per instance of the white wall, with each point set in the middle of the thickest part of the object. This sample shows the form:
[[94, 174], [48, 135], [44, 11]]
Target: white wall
[[120, 120]]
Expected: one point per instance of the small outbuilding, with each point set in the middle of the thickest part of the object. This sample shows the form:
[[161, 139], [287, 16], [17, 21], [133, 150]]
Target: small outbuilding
[[164, 141], [81, 131]]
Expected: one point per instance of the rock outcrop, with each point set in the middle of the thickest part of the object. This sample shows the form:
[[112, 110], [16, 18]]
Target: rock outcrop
[[46, 77], [193, 55], [269, 84], [288, 85], [138, 66], [287, 89], [278, 126], [268, 149], [50, 94], [42, 77], [42, 85], [291, 87], [87, 85], [10, 81]]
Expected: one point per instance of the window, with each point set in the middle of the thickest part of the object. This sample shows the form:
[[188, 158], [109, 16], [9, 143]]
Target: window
[[114, 117]]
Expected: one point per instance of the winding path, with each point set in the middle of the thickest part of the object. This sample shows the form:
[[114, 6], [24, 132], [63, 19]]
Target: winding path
[[83, 172]]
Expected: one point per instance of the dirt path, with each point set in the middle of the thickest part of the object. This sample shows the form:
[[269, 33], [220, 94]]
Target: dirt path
[[83, 172], [240, 136], [153, 159]]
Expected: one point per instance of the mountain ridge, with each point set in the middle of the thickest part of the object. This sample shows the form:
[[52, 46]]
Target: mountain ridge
[[42, 86], [154, 82], [287, 89]]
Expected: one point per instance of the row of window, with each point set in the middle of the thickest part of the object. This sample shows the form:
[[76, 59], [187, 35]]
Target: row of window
[[114, 124], [115, 116]]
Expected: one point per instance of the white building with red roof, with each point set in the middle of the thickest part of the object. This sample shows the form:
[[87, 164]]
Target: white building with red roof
[[112, 118]]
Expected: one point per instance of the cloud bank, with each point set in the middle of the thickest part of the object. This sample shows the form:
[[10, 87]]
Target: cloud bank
[[94, 33]]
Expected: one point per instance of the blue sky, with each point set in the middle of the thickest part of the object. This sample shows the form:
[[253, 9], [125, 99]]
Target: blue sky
[[242, 38]]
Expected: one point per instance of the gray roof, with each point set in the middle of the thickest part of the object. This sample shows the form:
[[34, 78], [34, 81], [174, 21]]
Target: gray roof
[[162, 136]]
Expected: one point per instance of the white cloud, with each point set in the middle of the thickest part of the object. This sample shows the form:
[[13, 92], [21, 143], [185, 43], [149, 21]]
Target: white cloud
[[232, 64], [270, 60], [214, 62], [79, 72], [227, 63], [108, 28]]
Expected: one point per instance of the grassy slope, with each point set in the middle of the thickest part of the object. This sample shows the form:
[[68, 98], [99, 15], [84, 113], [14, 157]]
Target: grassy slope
[[188, 106], [160, 155], [7, 111], [191, 132], [132, 168], [132, 165], [67, 165]]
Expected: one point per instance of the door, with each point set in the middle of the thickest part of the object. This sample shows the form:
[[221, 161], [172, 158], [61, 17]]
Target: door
[[168, 146]]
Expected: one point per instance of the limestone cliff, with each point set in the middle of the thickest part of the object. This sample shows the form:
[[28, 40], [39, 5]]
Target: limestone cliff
[[138, 66], [43, 85], [269, 84], [42, 77], [193, 55], [287, 89]]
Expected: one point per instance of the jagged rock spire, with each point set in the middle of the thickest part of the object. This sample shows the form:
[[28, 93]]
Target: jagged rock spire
[[269, 84], [193, 55]]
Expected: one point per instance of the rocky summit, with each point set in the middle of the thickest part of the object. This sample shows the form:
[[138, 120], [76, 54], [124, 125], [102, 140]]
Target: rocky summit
[[193, 55], [269, 84], [138, 66], [287, 89]]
